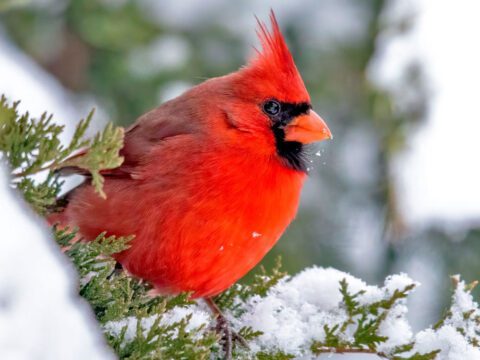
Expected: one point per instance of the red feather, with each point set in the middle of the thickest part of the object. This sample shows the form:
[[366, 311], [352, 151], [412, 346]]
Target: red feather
[[274, 66]]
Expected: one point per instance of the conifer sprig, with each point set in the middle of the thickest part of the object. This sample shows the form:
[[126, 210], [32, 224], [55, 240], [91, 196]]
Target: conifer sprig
[[33, 145], [116, 297], [363, 321]]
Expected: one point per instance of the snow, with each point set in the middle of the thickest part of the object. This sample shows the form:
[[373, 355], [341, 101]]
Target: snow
[[450, 341], [294, 312], [199, 318], [38, 91], [41, 316], [454, 345], [438, 173], [23, 79]]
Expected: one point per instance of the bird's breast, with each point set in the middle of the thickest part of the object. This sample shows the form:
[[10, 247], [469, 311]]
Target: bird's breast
[[200, 226], [219, 221]]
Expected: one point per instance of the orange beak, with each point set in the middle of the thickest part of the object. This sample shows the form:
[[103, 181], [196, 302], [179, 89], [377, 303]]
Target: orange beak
[[307, 129]]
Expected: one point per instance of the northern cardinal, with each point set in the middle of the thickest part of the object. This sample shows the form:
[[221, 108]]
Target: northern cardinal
[[210, 179]]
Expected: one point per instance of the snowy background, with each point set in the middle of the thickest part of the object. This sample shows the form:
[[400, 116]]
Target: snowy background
[[41, 315], [437, 173], [424, 60]]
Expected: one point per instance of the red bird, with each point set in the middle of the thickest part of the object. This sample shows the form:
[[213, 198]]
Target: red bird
[[211, 179]]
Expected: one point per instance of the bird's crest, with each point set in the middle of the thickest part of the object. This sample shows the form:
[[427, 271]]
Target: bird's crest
[[274, 63]]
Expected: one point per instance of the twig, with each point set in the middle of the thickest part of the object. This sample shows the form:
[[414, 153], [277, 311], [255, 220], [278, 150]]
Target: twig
[[341, 350], [52, 166]]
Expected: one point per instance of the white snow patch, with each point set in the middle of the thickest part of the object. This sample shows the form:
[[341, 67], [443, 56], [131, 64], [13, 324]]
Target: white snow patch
[[453, 344], [24, 80], [41, 316], [294, 312], [38, 91]]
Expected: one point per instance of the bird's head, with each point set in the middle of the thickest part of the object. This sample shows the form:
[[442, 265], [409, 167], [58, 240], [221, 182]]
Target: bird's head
[[270, 101], [263, 107]]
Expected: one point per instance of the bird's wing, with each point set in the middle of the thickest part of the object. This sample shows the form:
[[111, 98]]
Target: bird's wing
[[148, 131]]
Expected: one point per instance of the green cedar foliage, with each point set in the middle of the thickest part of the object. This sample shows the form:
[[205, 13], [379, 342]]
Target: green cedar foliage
[[115, 296], [366, 321], [33, 145], [132, 318]]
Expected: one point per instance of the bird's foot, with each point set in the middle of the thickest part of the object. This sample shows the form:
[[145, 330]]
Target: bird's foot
[[229, 337]]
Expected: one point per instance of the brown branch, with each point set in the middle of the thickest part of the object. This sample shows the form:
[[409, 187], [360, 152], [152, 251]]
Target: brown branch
[[341, 350], [35, 171]]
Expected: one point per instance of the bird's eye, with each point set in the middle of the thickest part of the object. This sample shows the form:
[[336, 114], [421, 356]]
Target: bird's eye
[[271, 107]]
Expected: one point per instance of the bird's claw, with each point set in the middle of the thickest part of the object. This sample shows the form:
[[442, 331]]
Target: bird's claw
[[228, 336]]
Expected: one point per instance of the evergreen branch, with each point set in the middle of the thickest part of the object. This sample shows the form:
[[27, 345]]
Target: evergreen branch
[[33, 145], [237, 294], [102, 154]]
